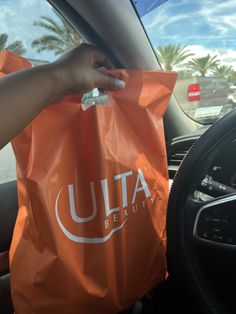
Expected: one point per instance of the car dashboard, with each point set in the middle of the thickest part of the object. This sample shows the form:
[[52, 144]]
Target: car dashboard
[[220, 176]]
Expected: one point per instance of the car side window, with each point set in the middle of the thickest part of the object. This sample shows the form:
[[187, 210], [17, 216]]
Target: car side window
[[48, 37]]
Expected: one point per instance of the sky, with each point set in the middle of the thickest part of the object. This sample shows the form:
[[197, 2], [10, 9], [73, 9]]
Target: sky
[[204, 26], [16, 19]]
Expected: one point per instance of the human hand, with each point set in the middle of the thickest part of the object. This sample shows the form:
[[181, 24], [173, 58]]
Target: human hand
[[77, 68]]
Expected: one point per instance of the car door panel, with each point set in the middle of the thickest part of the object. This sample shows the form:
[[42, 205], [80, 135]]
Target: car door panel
[[8, 213]]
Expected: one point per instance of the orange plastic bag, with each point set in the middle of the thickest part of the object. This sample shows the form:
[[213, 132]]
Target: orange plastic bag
[[93, 187]]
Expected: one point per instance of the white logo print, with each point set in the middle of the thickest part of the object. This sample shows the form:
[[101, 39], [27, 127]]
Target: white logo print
[[112, 214]]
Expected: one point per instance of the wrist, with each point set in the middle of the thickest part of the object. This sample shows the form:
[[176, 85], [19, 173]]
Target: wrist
[[61, 78]]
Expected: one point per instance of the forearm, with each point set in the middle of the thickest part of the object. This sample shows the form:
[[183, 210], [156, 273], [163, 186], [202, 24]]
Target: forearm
[[24, 95]]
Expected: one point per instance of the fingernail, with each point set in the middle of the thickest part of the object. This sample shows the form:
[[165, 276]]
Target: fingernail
[[119, 83]]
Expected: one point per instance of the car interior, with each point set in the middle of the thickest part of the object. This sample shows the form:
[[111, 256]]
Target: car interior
[[201, 222]]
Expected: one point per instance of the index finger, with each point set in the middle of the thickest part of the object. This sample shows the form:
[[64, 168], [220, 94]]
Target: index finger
[[101, 59]]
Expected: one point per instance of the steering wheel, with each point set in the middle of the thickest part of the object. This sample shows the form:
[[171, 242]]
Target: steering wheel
[[201, 220]]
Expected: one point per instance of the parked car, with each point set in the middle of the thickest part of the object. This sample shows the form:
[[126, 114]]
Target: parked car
[[232, 94], [203, 98]]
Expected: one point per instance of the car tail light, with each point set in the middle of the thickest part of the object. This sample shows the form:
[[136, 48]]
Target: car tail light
[[193, 92]]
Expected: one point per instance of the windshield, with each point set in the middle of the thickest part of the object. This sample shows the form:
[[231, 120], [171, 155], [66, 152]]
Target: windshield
[[196, 39]]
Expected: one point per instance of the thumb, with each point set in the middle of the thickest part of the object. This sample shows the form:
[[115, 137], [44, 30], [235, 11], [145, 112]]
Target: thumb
[[108, 82]]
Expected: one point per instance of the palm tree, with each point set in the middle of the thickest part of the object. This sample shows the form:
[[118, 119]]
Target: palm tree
[[232, 77], [60, 36], [16, 46], [203, 64], [172, 55], [222, 71], [185, 73]]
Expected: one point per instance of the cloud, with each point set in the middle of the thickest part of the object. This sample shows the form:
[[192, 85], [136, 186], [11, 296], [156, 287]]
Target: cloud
[[208, 17], [204, 26], [226, 56], [161, 17], [219, 16], [166, 21]]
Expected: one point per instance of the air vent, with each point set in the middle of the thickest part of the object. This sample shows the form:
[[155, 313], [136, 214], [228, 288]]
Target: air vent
[[174, 162], [176, 152], [178, 148], [177, 157]]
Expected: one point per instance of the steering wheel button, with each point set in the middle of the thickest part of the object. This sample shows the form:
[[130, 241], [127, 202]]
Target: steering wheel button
[[216, 220], [217, 238], [205, 235], [216, 230]]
